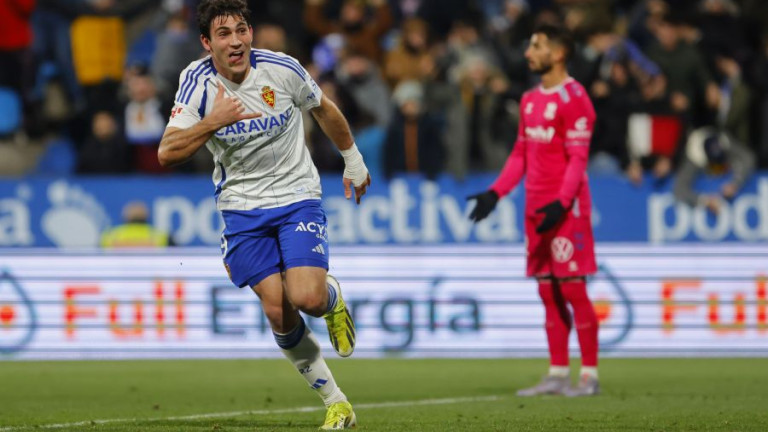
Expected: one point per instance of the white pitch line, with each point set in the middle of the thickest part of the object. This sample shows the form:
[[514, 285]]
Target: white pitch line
[[304, 409]]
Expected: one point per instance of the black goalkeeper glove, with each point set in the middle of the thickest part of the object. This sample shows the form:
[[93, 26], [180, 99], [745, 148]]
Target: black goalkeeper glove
[[486, 202], [553, 212]]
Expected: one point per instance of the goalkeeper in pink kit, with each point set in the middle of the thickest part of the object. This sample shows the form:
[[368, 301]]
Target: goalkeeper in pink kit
[[552, 149]]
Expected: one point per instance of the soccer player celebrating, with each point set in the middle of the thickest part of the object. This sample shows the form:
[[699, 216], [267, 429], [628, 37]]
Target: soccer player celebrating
[[552, 148], [243, 105]]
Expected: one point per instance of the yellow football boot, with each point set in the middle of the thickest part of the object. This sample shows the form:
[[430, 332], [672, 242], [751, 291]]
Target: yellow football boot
[[339, 416], [341, 328]]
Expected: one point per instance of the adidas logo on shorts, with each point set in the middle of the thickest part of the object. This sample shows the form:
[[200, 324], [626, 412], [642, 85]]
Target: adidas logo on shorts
[[319, 249]]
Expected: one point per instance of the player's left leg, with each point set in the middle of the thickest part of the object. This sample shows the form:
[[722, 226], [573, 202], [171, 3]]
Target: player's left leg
[[304, 251], [575, 292], [313, 291], [573, 257], [300, 347]]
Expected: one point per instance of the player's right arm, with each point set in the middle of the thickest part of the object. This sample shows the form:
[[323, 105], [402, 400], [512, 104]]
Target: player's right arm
[[179, 144], [510, 175], [514, 167]]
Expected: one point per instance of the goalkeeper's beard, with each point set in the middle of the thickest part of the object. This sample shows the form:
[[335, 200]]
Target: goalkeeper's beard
[[543, 68]]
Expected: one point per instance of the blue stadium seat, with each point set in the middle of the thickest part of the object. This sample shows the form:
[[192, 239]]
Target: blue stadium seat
[[10, 111], [59, 159], [47, 71], [141, 51]]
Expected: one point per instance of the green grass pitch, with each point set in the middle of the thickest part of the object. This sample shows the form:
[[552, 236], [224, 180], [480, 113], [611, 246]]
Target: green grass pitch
[[389, 395]]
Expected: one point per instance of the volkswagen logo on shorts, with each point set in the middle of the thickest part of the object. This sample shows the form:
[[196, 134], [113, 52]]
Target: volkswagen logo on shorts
[[562, 249]]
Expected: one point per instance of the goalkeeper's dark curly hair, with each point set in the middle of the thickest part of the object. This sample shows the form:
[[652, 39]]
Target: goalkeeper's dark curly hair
[[558, 35], [208, 10]]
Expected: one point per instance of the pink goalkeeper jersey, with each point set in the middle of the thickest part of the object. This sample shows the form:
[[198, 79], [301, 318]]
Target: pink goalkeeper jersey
[[552, 145]]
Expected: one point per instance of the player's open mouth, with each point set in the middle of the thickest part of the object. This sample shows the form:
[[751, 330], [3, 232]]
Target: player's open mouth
[[236, 56]]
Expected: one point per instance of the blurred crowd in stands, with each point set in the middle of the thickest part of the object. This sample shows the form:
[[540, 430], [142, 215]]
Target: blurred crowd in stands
[[429, 86]]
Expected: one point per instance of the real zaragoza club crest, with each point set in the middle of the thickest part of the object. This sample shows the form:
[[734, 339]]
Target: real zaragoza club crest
[[268, 96]]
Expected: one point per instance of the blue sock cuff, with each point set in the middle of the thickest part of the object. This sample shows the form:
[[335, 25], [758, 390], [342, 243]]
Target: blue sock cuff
[[292, 338], [332, 299]]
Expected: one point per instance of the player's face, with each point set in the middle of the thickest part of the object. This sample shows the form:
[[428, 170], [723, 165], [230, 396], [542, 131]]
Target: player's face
[[230, 45], [539, 54]]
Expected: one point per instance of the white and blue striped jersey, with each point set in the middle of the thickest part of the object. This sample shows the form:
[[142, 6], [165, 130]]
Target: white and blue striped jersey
[[261, 162]]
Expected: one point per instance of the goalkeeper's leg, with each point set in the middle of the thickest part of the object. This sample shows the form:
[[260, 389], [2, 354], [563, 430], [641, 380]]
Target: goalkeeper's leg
[[575, 291], [558, 327]]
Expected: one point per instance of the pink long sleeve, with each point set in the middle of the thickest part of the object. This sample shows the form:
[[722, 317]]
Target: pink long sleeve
[[513, 170], [575, 173], [578, 120]]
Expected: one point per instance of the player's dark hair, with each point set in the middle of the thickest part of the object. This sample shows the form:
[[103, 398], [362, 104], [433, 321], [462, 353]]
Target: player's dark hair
[[558, 35], [208, 10]]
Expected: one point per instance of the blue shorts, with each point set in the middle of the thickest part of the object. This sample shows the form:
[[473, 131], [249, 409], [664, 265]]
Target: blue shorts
[[260, 242]]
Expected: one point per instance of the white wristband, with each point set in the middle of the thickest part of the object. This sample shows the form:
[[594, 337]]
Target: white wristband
[[354, 166]]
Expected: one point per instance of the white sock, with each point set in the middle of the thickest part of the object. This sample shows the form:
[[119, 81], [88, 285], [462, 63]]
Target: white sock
[[559, 371], [302, 349], [589, 371]]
